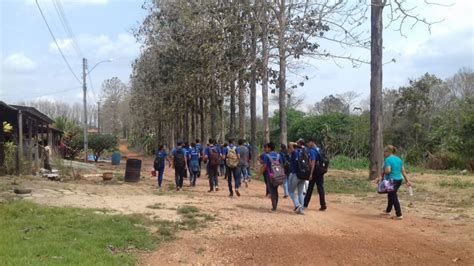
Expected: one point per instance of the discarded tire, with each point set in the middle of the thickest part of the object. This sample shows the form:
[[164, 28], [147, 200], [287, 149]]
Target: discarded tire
[[132, 170], [22, 190]]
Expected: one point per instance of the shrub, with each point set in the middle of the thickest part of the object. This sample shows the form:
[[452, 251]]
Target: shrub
[[10, 154], [445, 160], [100, 142]]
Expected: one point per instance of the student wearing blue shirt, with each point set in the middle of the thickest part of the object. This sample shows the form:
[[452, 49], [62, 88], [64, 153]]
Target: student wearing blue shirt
[[201, 150], [316, 178], [394, 170], [193, 158], [231, 155], [159, 163], [294, 182], [187, 149], [266, 159], [213, 157], [179, 164]]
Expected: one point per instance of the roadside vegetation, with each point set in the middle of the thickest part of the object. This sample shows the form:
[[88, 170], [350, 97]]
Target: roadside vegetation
[[32, 234]]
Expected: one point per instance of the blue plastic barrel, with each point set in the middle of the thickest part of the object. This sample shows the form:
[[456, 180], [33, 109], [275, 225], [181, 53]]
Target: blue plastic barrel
[[116, 157]]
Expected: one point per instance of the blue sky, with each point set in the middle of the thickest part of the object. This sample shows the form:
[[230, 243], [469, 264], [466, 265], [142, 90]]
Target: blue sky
[[31, 67]]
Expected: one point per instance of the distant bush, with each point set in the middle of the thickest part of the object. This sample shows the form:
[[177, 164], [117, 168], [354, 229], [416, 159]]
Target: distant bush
[[444, 161], [101, 142]]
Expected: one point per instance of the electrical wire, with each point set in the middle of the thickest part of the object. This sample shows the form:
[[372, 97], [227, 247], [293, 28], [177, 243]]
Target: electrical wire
[[56, 42], [92, 86], [45, 94], [67, 28]]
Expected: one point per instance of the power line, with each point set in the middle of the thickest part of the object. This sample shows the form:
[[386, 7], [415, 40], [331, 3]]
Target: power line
[[92, 85], [56, 42], [67, 28], [44, 94]]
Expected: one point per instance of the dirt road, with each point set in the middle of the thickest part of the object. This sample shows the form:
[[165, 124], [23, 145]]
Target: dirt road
[[246, 232]]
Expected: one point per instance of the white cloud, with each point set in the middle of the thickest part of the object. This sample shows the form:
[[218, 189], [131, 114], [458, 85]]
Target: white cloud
[[19, 62], [100, 46], [66, 45]]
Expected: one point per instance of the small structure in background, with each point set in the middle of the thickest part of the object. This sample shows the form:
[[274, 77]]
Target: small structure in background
[[30, 130]]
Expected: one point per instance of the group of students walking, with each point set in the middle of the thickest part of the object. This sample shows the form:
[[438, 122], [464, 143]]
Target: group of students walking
[[298, 168], [229, 160], [293, 168]]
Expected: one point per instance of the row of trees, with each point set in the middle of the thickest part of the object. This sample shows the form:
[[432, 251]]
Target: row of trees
[[201, 62]]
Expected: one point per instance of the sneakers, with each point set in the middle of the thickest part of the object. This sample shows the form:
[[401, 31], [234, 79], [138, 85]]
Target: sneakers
[[398, 218], [323, 208], [237, 192], [217, 189], [384, 213], [297, 210], [231, 195]]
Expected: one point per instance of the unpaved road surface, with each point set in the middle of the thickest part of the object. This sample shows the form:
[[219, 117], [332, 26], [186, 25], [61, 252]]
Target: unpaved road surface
[[350, 232]]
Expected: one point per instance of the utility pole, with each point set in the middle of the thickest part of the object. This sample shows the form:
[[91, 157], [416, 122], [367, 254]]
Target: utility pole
[[84, 87], [98, 117]]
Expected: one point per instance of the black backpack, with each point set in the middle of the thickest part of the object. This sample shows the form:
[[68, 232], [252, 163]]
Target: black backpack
[[178, 160], [304, 170], [323, 162], [158, 162], [287, 163]]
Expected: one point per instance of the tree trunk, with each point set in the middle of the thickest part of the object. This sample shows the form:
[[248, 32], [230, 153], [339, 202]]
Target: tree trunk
[[186, 122], [213, 113], [264, 70], [221, 109], [193, 123], [232, 108], [241, 85], [282, 76], [202, 121], [253, 92], [196, 118], [376, 127]]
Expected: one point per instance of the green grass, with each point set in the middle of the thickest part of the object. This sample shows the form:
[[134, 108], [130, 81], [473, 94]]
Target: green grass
[[341, 162], [352, 185], [156, 206], [456, 183], [31, 234], [192, 218]]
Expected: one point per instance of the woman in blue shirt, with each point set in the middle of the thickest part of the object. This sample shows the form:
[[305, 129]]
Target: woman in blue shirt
[[394, 170], [266, 159], [193, 158], [159, 163]]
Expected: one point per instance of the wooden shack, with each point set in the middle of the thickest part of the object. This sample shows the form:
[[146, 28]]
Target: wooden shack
[[30, 128]]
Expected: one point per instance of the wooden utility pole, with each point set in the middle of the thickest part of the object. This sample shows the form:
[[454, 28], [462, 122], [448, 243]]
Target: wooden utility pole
[[376, 128], [84, 87]]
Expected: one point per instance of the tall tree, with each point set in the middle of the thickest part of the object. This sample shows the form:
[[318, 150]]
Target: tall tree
[[376, 127]]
